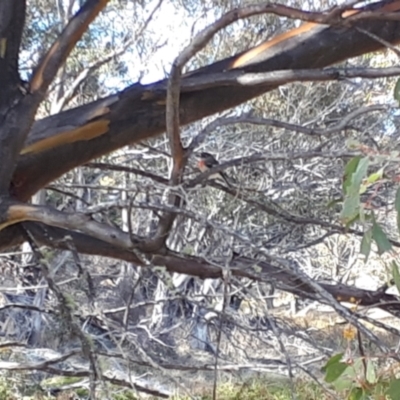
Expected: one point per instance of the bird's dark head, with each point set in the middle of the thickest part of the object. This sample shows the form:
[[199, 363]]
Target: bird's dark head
[[205, 161], [205, 155]]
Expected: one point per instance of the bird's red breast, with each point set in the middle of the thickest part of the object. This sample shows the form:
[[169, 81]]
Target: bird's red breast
[[202, 165]]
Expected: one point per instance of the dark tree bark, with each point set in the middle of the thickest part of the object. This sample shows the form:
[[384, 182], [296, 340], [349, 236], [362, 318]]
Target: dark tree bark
[[12, 18]]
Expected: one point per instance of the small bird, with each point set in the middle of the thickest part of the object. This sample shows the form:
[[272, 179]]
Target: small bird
[[207, 161]]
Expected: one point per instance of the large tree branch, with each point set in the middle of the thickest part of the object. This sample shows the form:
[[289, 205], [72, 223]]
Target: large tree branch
[[76, 136], [20, 212], [259, 270], [60, 238]]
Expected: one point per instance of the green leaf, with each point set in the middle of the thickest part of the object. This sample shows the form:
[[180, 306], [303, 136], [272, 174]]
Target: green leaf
[[350, 210], [359, 175], [343, 383], [380, 388], [351, 187], [380, 238], [363, 188], [394, 390], [356, 217], [396, 92], [349, 169], [356, 369], [334, 371], [375, 176], [349, 378], [366, 244], [334, 368], [371, 179], [362, 215], [333, 360], [396, 275], [356, 394]]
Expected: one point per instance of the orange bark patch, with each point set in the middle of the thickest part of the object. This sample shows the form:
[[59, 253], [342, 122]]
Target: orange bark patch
[[37, 79], [248, 56], [84, 133], [244, 59], [17, 213]]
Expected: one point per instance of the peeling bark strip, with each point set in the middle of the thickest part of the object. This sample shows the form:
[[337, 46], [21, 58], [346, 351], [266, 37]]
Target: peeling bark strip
[[138, 112], [83, 133]]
